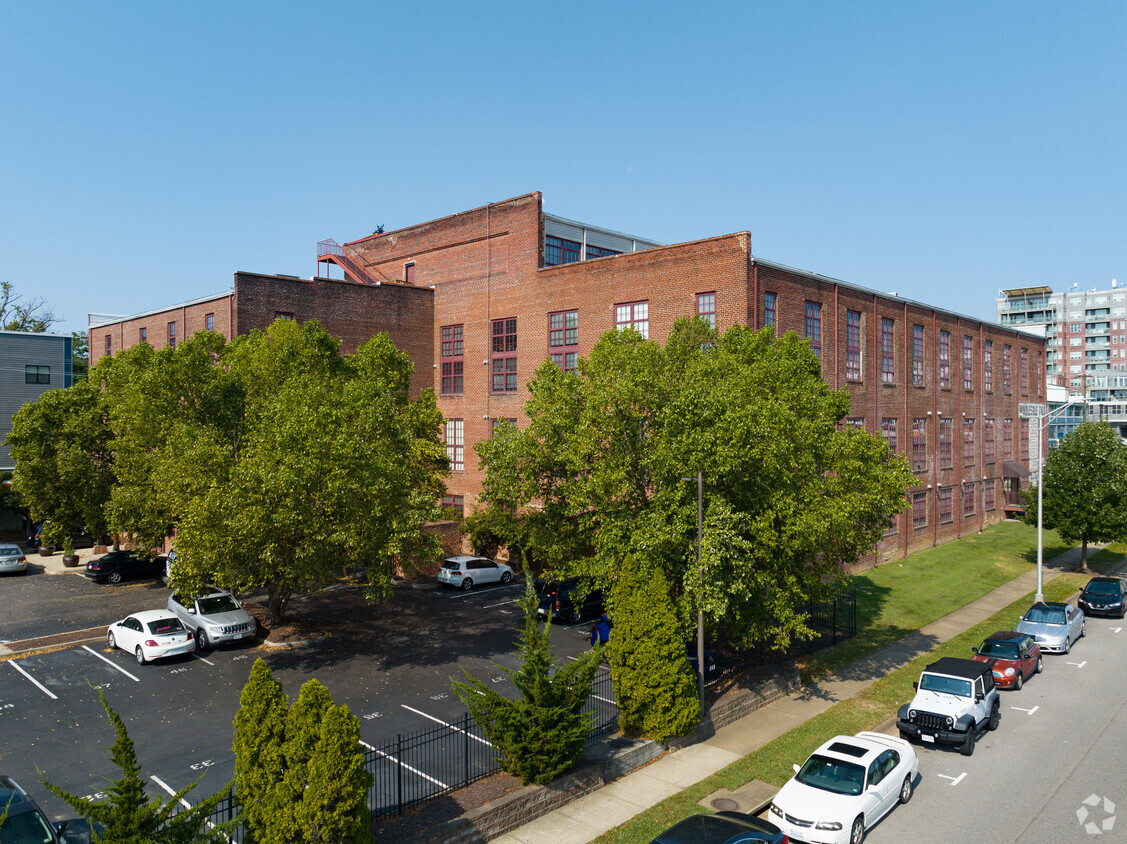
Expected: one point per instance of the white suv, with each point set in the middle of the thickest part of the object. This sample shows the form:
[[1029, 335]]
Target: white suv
[[215, 617]]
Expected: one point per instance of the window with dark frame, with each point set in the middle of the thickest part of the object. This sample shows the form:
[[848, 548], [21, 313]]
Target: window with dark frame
[[857, 422], [706, 308], [919, 510], [888, 431], [563, 339], [494, 424], [968, 362], [1006, 369], [945, 514], [917, 356], [453, 362], [988, 366], [558, 250], [968, 442], [1023, 436], [455, 503], [209, 322], [1039, 375], [455, 444], [504, 360], [1007, 439], [988, 440], [887, 351], [1023, 372], [812, 325], [36, 374], [109, 344], [409, 272], [988, 495], [600, 252], [919, 444], [144, 335], [172, 335], [634, 315], [769, 302], [946, 460], [968, 499], [853, 345], [283, 314], [944, 360]]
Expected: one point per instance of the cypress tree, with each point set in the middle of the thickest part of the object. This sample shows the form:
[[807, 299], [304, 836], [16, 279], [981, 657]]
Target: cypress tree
[[334, 806], [260, 765]]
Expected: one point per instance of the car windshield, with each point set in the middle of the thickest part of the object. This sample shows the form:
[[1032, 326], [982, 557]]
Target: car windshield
[[999, 650], [217, 604], [1096, 587], [28, 828], [1045, 615], [452, 565], [833, 775], [948, 685], [10, 551], [163, 626]]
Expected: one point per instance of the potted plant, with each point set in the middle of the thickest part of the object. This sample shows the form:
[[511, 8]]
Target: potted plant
[[70, 559], [47, 540]]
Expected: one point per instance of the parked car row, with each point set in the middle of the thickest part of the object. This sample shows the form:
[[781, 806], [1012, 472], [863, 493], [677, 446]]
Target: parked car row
[[24, 822]]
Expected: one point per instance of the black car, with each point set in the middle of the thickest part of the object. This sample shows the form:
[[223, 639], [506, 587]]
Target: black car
[[557, 601], [722, 828], [117, 566], [1104, 596], [80, 537], [25, 822]]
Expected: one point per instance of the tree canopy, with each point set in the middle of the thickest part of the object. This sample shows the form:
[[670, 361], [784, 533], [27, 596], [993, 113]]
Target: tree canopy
[[791, 497], [19, 314], [1085, 487]]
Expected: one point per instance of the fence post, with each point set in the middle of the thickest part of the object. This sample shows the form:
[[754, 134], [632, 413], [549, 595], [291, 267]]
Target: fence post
[[399, 774], [837, 595], [466, 733]]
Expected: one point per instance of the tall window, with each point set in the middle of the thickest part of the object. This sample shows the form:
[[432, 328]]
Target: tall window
[[706, 308], [455, 444], [945, 505], [409, 273], [769, 300], [944, 360], [455, 503], [852, 345], [988, 366], [988, 440], [812, 325], [988, 495], [144, 335], [35, 374], [453, 362], [600, 252], [494, 424], [1039, 374], [919, 509], [917, 355], [857, 422], [1023, 373], [563, 339], [172, 335], [1007, 439], [1023, 433], [945, 457], [1006, 369], [887, 355], [888, 431], [968, 499], [109, 344], [968, 362], [968, 442], [634, 315], [504, 359], [559, 251], [919, 444]]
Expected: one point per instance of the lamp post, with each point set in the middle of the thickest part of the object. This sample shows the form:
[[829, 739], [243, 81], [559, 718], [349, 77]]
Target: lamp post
[[700, 600], [1043, 421]]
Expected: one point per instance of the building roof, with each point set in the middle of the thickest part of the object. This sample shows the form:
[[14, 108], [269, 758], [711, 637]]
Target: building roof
[[1027, 291], [98, 320]]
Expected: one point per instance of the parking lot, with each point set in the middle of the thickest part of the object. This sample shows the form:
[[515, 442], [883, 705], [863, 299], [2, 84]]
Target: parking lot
[[390, 665]]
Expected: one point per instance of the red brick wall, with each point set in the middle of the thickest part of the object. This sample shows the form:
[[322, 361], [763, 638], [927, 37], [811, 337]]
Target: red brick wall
[[188, 318]]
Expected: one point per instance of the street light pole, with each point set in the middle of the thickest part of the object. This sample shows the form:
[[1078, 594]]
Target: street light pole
[[700, 599]]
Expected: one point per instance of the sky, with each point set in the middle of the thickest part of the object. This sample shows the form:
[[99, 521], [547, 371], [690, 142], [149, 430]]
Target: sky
[[942, 151]]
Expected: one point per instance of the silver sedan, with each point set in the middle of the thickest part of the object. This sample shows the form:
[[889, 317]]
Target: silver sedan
[[12, 560], [1055, 626]]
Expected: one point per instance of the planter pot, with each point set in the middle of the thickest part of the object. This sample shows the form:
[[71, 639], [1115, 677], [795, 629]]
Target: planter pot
[[70, 560], [46, 550]]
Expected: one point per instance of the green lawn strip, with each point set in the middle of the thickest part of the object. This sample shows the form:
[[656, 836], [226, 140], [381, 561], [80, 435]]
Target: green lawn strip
[[865, 711], [898, 598], [1107, 558]]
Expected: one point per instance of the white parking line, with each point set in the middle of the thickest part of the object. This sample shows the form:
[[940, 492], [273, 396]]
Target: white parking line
[[954, 780], [1079, 664], [405, 766], [38, 685], [165, 786], [201, 659], [491, 606], [465, 593], [1026, 711], [111, 664], [1116, 629], [443, 723]]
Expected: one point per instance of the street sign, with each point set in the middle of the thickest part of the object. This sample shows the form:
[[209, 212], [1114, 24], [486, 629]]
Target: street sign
[[1029, 410]]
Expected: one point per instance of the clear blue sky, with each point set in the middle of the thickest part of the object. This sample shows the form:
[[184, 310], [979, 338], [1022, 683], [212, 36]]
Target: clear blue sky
[[939, 150]]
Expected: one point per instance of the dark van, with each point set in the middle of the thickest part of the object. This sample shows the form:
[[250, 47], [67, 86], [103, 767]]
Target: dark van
[[558, 601]]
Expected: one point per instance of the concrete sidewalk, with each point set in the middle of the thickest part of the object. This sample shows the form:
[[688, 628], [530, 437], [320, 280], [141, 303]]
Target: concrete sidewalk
[[590, 816]]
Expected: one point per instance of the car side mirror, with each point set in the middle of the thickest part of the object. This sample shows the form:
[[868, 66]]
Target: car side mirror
[[916, 685], [974, 650], [979, 697], [191, 610]]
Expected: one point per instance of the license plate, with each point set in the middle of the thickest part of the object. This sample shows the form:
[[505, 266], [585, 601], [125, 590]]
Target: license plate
[[928, 739]]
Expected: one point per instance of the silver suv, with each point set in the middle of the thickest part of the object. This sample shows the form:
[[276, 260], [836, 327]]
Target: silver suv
[[215, 617]]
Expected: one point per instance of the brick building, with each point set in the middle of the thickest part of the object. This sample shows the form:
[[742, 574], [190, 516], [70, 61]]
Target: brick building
[[480, 299]]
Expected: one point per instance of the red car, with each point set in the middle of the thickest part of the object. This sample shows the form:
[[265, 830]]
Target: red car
[[1016, 657]]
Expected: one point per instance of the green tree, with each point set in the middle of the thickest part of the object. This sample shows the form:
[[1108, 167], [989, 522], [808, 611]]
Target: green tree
[[17, 314], [259, 739], [129, 816], [334, 805], [79, 354], [792, 498], [654, 686], [540, 733], [1085, 494]]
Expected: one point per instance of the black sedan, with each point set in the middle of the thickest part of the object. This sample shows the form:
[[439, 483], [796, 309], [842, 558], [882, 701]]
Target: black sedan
[[1104, 596], [117, 566], [722, 828]]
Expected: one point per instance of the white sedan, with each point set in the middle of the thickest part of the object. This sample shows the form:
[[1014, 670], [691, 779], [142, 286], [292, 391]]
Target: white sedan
[[152, 634], [846, 786]]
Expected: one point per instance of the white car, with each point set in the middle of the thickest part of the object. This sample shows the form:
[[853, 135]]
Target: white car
[[152, 634], [215, 617], [12, 560], [846, 786], [464, 571]]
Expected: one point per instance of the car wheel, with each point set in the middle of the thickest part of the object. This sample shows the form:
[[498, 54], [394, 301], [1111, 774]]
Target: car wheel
[[110, 640], [995, 717], [140, 656], [115, 577], [906, 789], [1019, 681], [1067, 646], [1040, 665], [506, 577], [857, 835], [1083, 629], [967, 747], [576, 615], [466, 584], [201, 640]]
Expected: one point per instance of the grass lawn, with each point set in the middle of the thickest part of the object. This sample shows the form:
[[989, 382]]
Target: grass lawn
[[865, 711]]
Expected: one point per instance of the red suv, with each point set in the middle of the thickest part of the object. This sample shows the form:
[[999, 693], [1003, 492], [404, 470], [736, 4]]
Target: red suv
[[1015, 656]]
